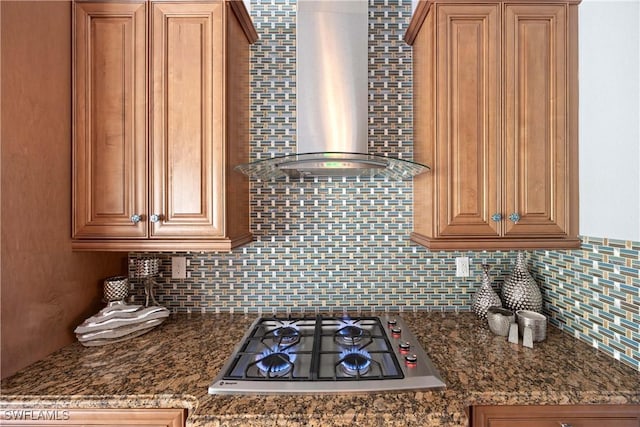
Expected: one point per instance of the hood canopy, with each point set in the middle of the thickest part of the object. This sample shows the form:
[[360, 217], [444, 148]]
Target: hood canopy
[[332, 99], [332, 164]]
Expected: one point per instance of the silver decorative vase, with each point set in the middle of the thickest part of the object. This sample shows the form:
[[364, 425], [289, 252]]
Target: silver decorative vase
[[486, 296], [520, 291], [116, 288], [147, 269]]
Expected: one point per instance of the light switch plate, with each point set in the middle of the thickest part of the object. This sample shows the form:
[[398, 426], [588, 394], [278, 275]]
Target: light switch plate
[[178, 267]]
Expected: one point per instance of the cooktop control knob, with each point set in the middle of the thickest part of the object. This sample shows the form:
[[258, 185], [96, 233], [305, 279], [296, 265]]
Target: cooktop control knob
[[396, 332], [404, 347], [411, 360], [392, 322]]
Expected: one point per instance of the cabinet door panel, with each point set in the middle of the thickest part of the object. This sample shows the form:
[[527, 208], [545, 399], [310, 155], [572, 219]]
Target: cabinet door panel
[[95, 417], [467, 138], [188, 96], [556, 415], [109, 148], [573, 422], [536, 129]]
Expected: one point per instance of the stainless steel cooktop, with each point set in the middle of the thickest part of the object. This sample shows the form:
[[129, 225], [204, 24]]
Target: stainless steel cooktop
[[327, 355]]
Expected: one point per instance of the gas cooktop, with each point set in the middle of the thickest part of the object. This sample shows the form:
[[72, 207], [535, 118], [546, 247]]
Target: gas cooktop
[[327, 355]]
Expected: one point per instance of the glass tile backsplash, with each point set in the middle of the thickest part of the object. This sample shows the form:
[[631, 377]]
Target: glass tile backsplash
[[343, 244], [593, 293]]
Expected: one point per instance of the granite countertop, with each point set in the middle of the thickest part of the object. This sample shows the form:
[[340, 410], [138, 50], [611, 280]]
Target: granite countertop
[[173, 365]]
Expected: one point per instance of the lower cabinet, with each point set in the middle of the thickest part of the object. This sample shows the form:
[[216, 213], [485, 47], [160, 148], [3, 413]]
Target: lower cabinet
[[93, 417], [556, 416]]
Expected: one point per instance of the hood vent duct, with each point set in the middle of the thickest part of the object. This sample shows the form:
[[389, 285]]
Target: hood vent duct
[[332, 97]]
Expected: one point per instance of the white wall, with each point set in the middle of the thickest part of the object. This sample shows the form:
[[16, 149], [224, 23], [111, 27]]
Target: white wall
[[610, 119]]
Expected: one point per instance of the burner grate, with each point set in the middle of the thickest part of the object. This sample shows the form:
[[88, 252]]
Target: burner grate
[[318, 348]]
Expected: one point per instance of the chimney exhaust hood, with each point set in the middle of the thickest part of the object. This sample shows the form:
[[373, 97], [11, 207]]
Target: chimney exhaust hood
[[331, 101]]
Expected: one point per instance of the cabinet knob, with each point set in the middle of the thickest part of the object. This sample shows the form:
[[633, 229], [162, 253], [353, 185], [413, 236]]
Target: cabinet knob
[[496, 217], [135, 218], [154, 218], [514, 217]]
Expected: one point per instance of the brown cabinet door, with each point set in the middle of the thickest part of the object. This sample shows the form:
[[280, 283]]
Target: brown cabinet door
[[187, 149], [569, 422], [468, 93], [556, 416], [536, 120], [109, 144], [94, 417]]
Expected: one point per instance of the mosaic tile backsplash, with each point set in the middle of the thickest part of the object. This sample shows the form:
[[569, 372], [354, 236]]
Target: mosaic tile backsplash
[[343, 244], [593, 293]]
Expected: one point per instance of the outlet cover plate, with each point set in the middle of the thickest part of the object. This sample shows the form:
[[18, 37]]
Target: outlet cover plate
[[178, 267], [462, 266]]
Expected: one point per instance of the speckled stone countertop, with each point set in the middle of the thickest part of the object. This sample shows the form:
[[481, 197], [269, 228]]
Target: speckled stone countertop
[[173, 365]]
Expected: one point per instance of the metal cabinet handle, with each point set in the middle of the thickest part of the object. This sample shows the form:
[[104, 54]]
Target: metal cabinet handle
[[154, 218], [514, 217], [565, 425], [135, 218], [496, 217]]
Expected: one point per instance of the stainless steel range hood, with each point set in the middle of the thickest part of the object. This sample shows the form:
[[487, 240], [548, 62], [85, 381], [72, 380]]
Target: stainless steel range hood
[[332, 96]]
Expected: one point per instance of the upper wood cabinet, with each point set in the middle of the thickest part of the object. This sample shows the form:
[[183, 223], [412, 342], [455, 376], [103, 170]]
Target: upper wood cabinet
[[495, 116], [161, 110]]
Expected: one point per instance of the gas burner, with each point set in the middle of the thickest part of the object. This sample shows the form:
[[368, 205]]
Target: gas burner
[[286, 334], [350, 335], [275, 364], [355, 363]]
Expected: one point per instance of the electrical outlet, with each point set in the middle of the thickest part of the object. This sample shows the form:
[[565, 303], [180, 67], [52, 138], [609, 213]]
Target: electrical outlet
[[462, 266], [178, 267]]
